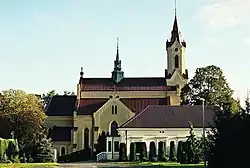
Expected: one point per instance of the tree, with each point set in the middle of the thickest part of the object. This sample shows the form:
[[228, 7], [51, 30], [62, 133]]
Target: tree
[[228, 134], [101, 142], [47, 97], [161, 152], [193, 149], [23, 114], [122, 152], [179, 150], [152, 151], [209, 83], [143, 151], [67, 93], [44, 152], [132, 151], [172, 155]]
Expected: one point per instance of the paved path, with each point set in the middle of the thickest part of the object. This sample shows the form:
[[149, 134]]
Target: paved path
[[92, 165]]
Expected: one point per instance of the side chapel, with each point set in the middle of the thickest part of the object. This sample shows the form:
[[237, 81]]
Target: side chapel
[[104, 104]]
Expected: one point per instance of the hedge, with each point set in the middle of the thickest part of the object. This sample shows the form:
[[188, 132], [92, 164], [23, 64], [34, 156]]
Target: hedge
[[8, 149], [77, 156]]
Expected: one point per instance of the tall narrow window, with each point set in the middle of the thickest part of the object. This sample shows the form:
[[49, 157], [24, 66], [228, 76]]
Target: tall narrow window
[[114, 127], [62, 151], [115, 109], [86, 138], [176, 61]]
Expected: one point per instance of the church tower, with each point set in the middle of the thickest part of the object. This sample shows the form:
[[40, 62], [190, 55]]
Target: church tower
[[117, 74], [176, 72]]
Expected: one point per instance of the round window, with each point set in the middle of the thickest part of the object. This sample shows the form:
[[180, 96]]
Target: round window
[[176, 49]]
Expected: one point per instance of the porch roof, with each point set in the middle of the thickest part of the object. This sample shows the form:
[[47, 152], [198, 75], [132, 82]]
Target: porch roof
[[162, 116]]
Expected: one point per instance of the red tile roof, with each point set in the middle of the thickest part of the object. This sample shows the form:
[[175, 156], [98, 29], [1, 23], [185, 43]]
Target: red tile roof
[[126, 84], [138, 104], [89, 106], [160, 116]]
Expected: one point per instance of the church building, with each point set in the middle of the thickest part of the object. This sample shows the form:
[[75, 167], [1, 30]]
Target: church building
[[102, 105]]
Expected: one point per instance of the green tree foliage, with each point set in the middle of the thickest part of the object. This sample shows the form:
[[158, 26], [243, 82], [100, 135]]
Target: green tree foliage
[[101, 142], [9, 150], [46, 97], [209, 83], [132, 152], [67, 93], [172, 155], [229, 141], [23, 114], [152, 150], [161, 152], [179, 150], [193, 149], [122, 152], [44, 152]]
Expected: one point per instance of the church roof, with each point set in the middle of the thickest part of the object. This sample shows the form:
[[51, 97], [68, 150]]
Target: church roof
[[162, 116], [126, 84], [88, 106], [61, 106], [138, 104]]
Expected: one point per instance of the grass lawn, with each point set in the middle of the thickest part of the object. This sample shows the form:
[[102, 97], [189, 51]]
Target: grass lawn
[[29, 165], [161, 164]]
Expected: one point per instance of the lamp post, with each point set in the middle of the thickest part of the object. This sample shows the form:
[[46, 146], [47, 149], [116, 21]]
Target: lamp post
[[203, 130]]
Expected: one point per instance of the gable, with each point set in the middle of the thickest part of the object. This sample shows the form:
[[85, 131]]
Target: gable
[[176, 78]]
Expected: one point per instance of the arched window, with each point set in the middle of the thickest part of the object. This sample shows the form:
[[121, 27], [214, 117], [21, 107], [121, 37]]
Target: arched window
[[62, 151], [86, 138], [176, 61], [114, 127]]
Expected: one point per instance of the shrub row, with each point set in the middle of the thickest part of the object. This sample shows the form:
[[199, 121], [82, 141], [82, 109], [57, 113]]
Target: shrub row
[[77, 156]]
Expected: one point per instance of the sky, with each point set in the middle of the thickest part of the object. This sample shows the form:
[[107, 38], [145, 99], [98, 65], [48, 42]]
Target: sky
[[44, 43]]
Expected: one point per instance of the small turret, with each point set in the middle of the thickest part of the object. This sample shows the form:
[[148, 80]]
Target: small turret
[[117, 74]]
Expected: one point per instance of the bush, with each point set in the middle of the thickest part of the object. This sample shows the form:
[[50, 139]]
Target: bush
[[179, 150], [152, 150], [143, 151], [9, 150], [132, 152], [123, 152], [172, 155], [77, 156], [154, 159], [161, 152]]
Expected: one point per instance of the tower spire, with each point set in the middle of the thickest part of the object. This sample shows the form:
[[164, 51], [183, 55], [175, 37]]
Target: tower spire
[[117, 51], [175, 8], [117, 74]]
